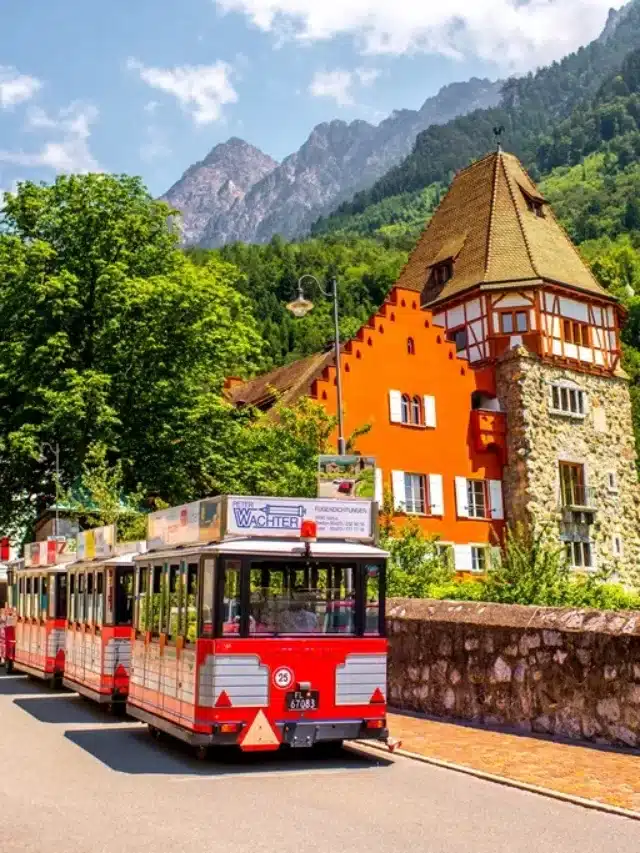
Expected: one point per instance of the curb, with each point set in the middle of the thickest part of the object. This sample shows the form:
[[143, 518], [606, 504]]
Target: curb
[[504, 780]]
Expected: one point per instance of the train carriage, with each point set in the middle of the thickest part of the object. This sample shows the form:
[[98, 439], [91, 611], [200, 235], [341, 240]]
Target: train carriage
[[41, 588], [100, 616], [8, 617], [260, 622]]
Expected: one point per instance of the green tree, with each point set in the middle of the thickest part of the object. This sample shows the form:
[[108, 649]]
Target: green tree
[[111, 336]]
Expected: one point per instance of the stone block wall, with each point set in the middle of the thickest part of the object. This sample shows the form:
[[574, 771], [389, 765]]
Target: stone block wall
[[538, 439], [564, 672]]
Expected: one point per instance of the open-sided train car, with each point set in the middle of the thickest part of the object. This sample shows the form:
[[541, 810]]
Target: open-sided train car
[[99, 617]]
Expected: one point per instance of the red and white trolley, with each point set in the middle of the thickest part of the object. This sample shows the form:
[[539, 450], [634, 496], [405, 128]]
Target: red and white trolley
[[41, 581], [100, 616], [245, 633], [8, 617]]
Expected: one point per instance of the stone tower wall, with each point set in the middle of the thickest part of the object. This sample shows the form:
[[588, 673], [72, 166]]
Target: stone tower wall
[[538, 439]]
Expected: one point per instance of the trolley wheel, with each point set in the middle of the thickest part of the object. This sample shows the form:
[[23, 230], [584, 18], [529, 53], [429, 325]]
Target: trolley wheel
[[202, 753], [155, 733], [8, 666]]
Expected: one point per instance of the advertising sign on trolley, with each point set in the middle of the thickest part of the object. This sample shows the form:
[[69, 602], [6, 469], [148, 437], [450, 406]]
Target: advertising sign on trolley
[[283, 516], [98, 543], [48, 552]]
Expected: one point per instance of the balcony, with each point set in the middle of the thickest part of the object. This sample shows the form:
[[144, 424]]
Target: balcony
[[489, 431]]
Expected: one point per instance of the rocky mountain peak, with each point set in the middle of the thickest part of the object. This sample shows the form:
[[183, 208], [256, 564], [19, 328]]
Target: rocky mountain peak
[[218, 181], [239, 193]]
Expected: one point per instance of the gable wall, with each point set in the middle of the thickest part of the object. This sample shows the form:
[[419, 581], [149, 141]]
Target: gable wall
[[378, 362]]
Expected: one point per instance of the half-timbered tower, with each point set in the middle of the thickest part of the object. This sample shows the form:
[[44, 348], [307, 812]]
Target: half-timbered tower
[[502, 278]]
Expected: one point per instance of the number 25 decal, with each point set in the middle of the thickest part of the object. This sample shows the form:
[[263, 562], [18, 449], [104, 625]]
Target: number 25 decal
[[283, 677]]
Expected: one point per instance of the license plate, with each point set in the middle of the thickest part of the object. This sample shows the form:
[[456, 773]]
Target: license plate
[[303, 700]]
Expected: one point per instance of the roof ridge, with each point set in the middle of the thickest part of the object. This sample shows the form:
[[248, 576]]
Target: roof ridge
[[523, 230], [492, 208]]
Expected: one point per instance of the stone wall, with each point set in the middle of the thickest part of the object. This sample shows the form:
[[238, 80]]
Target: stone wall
[[564, 672], [603, 441]]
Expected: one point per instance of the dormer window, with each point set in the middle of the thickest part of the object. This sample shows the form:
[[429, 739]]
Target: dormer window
[[442, 273], [535, 203], [536, 206]]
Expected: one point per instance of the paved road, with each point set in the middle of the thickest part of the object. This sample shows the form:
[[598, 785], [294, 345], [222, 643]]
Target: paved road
[[73, 779]]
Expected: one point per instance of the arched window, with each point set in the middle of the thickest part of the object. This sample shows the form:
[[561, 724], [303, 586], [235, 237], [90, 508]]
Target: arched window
[[406, 409], [411, 347], [416, 411]]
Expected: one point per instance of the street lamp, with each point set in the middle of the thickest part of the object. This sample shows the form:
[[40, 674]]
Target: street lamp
[[55, 449], [299, 308]]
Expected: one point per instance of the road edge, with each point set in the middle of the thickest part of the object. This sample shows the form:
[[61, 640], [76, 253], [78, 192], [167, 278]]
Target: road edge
[[550, 793]]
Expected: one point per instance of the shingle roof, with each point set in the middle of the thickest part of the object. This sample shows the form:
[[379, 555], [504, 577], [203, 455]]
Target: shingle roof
[[288, 381], [485, 226]]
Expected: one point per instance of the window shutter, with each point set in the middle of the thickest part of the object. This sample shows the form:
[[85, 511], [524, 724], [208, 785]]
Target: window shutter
[[379, 490], [462, 558], [436, 495], [399, 495], [429, 411], [495, 495], [395, 407], [462, 499]]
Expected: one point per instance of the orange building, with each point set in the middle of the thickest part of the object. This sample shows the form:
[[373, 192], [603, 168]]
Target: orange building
[[490, 377]]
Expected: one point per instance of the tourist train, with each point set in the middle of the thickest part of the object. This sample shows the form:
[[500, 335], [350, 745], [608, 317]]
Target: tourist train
[[248, 621]]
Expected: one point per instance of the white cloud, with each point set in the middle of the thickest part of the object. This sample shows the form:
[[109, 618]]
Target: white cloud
[[201, 90], [15, 88], [338, 84], [68, 150], [517, 34]]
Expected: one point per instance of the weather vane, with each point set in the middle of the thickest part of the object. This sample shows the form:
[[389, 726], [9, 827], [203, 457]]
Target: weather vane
[[497, 132]]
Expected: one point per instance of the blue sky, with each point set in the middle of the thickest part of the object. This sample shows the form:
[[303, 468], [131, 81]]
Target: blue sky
[[150, 86]]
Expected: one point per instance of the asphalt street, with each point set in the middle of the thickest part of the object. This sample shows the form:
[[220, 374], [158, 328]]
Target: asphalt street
[[74, 779]]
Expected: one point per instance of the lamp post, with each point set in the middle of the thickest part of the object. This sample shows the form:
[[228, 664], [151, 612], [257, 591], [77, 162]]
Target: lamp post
[[55, 449], [299, 308]]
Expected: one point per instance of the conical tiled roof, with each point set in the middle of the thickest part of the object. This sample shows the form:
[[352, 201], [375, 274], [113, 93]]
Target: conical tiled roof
[[487, 226]]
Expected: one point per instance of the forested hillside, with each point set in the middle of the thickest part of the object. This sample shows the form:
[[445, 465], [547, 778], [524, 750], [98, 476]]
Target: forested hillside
[[533, 110]]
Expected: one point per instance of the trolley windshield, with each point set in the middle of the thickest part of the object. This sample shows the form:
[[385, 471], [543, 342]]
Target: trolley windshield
[[287, 597]]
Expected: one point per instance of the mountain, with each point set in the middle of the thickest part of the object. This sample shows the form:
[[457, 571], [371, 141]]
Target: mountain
[[337, 160], [216, 184], [531, 110]]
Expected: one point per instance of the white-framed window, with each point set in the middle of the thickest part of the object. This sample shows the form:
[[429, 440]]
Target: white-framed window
[[617, 545], [406, 409], [479, 558], [479, 498], [568, 399], [412, 409], [579, 554], [612, 481], [416, 494], [416, 410]]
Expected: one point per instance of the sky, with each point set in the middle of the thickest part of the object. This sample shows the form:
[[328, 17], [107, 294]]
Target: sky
[[148, 87]]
